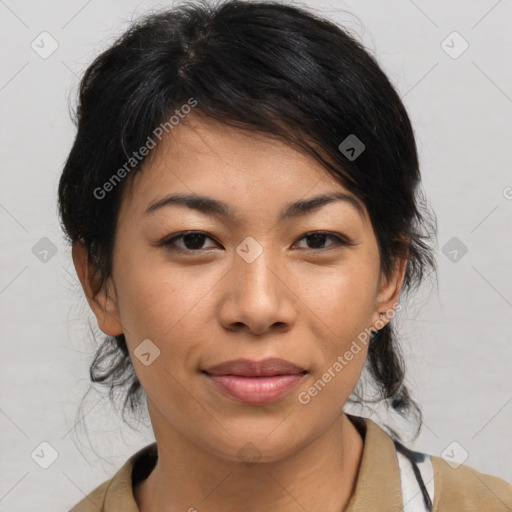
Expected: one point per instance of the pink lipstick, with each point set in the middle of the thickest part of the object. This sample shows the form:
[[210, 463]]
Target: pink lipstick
[[255, 382]]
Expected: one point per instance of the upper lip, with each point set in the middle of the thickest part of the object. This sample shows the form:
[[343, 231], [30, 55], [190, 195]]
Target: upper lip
[[247, 368]]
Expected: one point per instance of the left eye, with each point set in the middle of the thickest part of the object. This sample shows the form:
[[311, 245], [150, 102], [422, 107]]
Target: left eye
[[193, 240], [318, 237]]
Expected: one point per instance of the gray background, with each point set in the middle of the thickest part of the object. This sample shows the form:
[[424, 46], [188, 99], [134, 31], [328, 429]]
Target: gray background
[[457, 339]]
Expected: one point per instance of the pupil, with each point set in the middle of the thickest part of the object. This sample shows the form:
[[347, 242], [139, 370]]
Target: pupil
[[197, 240], [316, 237]]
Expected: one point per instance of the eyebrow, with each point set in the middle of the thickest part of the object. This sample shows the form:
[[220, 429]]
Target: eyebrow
[[210, 206]]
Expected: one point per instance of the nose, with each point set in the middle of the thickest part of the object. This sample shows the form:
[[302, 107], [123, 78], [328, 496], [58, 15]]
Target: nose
[[258, 295]]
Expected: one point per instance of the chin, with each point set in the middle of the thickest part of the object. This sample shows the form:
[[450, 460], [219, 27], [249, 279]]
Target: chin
[[259, 448]]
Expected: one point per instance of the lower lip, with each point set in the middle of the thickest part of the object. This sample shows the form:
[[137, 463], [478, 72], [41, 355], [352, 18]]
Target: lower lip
[[255, 390]]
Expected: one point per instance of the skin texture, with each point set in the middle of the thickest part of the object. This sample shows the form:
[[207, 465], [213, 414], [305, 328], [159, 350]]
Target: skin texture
[[297, 301]]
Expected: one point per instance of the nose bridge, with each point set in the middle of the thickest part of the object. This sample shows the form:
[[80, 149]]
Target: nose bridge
[[255, 266]]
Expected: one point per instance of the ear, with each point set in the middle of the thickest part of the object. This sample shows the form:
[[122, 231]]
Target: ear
[[388, 293], [102, 301]]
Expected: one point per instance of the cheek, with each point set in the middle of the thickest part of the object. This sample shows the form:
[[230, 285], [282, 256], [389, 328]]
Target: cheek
[[345, 315], [343, 297], [343, 302], [170, 306], [154, 295], [343, 310], [163, 305]]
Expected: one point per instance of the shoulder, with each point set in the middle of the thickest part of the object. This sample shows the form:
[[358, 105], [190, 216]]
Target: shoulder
[[94, 501], [116, 494], [465, 488]]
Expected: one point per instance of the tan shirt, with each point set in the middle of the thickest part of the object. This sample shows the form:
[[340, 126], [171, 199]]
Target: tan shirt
[[377, 489]]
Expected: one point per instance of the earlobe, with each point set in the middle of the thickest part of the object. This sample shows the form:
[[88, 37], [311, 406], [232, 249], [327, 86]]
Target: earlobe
[[102, 300], [389, 294]]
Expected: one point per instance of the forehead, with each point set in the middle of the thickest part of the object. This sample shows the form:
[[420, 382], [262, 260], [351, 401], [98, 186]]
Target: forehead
[[204, 157], [203, 139]]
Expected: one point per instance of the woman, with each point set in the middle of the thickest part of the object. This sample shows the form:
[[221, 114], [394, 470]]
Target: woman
[[243, 204]]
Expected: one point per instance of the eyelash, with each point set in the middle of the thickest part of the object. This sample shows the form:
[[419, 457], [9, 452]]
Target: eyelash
[[168, 243]]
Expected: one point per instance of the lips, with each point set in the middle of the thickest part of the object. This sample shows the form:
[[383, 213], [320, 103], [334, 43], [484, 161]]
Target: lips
[[247, 368], [255, 382]]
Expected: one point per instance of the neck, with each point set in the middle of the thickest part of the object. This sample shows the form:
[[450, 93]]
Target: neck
[[188, 478]]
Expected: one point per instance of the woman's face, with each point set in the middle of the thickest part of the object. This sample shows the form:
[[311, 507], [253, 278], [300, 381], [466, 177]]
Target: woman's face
[[251, 285]]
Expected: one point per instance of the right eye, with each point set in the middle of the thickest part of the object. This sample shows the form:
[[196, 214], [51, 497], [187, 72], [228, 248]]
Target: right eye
[[193, 241]]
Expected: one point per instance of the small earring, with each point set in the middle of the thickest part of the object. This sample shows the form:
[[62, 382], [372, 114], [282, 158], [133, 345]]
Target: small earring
[[373, 333]]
